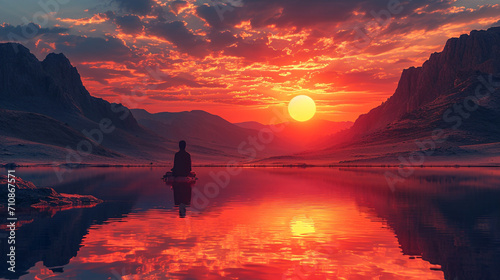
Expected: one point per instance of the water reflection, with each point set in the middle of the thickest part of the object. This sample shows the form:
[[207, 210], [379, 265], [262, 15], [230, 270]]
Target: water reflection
[[315, 223], [182, 196]]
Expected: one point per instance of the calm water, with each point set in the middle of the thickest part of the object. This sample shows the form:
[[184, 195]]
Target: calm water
[[318, 223]]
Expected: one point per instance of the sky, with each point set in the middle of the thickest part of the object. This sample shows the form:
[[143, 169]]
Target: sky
[[243, 59]]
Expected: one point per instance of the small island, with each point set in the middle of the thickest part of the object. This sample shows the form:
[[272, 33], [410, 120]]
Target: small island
[[29, 197]]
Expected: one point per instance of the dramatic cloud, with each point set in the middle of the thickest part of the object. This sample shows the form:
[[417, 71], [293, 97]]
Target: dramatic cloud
[[257, 50], [178, 34], [140, 7], [220, 40], [250, 55], [311, 13], [177, 6], [130, 24], [103, 75], [80, 48], [185, 80], [26, 32]]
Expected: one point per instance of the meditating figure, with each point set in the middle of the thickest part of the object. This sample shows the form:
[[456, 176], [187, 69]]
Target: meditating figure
[[182, 161]]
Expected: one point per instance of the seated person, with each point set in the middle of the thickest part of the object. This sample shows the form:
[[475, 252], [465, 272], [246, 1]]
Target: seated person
[[182, 161]]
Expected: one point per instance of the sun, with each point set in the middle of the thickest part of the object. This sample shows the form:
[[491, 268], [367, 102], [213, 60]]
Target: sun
[[302, 108]]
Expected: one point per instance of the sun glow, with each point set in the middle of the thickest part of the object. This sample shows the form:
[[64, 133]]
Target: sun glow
[[302, 225], [302, 108]]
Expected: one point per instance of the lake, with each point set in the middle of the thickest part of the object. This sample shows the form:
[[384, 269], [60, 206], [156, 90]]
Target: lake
[[265, 223]]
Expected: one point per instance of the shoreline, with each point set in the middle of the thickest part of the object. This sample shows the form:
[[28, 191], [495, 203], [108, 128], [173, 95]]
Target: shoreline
[[297, 165]]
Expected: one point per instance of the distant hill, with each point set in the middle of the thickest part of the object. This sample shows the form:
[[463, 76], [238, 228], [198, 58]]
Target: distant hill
[[251, 125], [306, 135], [203, 129]]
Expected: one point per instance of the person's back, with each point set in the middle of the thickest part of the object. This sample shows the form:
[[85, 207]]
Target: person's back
[[182, 161]]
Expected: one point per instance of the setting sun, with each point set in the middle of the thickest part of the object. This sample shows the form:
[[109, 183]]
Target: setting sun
[[302, 108]]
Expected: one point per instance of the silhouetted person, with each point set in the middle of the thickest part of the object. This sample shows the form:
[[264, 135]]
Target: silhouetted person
[[182, 161]]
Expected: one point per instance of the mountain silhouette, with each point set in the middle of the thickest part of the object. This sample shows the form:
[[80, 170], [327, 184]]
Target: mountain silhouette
[[53, 87], [443, 74], [208, 133], [307, 135]]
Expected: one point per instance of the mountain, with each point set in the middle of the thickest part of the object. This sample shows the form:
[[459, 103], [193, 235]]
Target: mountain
[[202, 129], [52, 87], [251, 125], [455, 91], [306, 135], [47, 113], [460, 59], [53, 135]]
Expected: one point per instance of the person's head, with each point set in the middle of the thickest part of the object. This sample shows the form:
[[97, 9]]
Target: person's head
[[182, 145]]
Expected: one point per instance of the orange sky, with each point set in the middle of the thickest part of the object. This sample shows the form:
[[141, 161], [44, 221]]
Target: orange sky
[[240, 59]]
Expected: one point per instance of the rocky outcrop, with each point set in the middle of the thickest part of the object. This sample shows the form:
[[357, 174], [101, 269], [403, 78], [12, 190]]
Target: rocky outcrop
[[461, 58], [28, 196], [52, 87]]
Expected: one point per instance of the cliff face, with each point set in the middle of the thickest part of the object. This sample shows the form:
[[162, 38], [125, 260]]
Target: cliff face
[[45, 109], [460, 59], [52, 87]]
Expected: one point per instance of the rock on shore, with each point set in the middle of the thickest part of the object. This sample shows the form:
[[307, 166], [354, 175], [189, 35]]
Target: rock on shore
[[27, 195]]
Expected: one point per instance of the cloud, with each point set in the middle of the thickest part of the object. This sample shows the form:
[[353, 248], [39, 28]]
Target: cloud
[[26, 32], [177, 6], [178, 34], [301, 14], [256, 50], [215, 97], [185, 80], [219, 17], [130, 24], [84, 49], [220, 40], [356, 80], [102, 75], [139, 7], [433, 20], [376, 49]]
